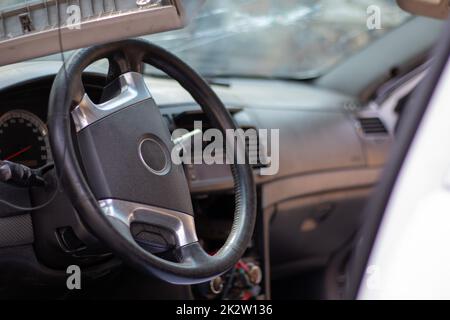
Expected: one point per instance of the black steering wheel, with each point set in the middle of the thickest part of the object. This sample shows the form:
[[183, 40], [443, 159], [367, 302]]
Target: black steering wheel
[[113, 158]]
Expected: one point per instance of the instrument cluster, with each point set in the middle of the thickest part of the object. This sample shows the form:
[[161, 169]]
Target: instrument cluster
[[24, 138]]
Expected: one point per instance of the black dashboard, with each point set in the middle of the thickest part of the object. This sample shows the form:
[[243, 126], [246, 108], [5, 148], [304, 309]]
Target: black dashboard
[[330, 158]]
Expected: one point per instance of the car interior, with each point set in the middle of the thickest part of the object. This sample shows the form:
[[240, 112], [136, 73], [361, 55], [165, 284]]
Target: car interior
[[335, 90]]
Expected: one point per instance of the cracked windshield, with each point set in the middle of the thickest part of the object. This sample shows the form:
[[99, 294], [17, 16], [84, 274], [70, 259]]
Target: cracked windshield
[[282, 38], [292, 39]]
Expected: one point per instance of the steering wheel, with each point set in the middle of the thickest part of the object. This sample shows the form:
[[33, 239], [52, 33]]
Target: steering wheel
[[113, 158]]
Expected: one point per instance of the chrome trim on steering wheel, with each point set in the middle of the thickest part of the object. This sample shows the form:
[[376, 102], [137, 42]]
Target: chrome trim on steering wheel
[[181, 224], [132, 90]]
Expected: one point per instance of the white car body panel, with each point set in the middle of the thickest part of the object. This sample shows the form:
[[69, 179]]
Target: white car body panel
[[410, 258]]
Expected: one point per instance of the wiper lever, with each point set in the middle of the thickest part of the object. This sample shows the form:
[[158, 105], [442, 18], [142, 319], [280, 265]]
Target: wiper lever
[[22, 176]]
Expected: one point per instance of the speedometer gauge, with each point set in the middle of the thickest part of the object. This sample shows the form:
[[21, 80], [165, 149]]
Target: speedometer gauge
[[24, 139]]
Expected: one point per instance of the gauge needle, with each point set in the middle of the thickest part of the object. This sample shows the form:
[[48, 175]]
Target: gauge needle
[[18, 153]]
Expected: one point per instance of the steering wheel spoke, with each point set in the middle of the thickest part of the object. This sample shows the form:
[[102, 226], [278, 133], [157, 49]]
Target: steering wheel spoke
[[131, 89], [179, 224]]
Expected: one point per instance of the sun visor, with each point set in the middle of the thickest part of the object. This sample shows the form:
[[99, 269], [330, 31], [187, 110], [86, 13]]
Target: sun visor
[[30, 29]]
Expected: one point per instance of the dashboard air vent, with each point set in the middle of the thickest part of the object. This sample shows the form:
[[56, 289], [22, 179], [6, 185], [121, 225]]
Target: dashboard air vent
[[372, 126]]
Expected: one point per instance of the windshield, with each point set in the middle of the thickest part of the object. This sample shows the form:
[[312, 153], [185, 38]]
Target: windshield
[[288, 39], [297, 39]]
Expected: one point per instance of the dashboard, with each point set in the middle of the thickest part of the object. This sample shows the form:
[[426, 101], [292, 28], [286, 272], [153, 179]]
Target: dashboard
[[330, 158]]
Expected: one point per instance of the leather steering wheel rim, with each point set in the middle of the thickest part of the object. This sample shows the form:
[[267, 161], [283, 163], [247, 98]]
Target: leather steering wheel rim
[[125, 57]]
